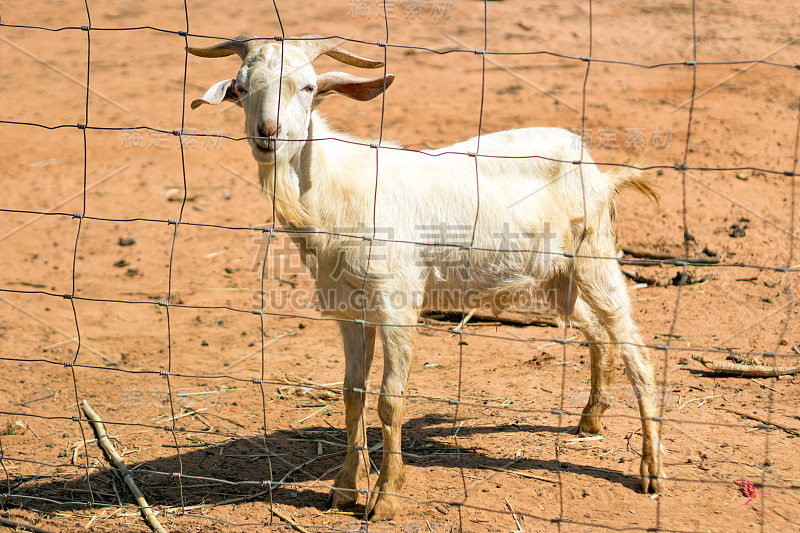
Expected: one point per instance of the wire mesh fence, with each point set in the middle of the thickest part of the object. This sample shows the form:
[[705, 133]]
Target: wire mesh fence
[[181, 311]]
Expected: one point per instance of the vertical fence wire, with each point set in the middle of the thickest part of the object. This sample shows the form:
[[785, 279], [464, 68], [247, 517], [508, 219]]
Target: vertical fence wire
[[458, 402]]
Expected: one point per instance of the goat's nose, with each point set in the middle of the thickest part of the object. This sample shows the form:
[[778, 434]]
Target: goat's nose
[[268, 129]]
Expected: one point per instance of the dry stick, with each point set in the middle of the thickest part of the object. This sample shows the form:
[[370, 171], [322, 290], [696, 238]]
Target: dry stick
[[270, 342], [750, 371], [521, 473], [519, 526], [645, 253], [22, 526], [757, 418], [112, 454], [506, 319], [457, 329]]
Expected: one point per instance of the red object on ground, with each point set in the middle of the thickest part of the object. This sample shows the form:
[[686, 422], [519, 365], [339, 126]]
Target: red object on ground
[[749, 490]]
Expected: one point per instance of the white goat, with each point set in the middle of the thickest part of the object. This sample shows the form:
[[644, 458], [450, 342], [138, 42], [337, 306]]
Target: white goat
[[542, 226]]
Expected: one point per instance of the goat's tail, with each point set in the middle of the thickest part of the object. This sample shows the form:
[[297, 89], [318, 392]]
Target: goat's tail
[[632, 175], [279, 188]]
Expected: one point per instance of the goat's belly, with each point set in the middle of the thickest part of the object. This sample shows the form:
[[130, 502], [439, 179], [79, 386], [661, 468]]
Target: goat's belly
[[491, 296]]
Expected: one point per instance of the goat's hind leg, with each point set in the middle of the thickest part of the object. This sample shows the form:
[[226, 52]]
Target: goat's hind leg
[[602, 358], [603, 287], [565, 300], [359, 346]]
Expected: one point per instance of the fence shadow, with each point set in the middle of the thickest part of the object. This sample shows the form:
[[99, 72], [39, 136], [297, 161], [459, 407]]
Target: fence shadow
[[240, 467]]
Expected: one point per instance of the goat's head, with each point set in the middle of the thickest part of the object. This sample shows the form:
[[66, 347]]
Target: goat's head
[[278, 88]]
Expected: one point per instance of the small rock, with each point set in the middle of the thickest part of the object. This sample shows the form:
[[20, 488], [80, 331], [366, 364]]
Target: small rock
[[132, 272], [441, 508], [226, 194], [301, 325], [127, 241], [121, 263], [203, 343]]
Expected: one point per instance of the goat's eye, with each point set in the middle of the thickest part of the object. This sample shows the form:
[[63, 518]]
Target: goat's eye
[[309, 88]]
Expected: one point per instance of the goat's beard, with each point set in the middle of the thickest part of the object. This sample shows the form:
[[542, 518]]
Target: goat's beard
[[279, 183]]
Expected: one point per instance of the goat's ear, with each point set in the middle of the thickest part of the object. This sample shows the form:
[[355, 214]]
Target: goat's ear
[[361, 89], [223, 91]]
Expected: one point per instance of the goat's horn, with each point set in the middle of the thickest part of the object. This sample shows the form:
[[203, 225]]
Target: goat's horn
[[316, 45], [241, 45]]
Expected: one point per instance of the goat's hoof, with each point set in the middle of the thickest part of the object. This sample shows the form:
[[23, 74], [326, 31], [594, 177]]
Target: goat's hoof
[[382, 506], [590, 426], [341, 499], [652, 476]]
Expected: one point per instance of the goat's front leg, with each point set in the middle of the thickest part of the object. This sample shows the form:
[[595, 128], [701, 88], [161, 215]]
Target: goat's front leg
[[359, 347], [398, 350]]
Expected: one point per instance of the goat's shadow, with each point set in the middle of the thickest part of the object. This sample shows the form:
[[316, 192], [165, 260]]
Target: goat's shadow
[[239, 468]]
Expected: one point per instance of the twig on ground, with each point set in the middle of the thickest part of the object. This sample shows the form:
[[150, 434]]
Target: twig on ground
[[288, 519], [112, 454], [644, 253], [22, 526], [40, 398], [764, 421], [521, 473], [270, 342], [749, 371], [519, 526], [678, 280], [458, 328], [508, 318], [764, 385]]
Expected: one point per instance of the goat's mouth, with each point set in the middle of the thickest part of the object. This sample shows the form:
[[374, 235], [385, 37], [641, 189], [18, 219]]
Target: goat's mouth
[[263, 150]]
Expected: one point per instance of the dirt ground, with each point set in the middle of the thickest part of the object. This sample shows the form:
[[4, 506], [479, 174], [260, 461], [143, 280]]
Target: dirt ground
[[510, 444]]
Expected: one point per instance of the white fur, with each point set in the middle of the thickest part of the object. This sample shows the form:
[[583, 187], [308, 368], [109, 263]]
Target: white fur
[[536, 221]]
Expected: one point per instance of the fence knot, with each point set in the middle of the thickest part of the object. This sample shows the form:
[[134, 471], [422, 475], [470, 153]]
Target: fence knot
[[279, 38], [168, 428], [557, 411], [681, 167], [381, 44], [81, 126], [690, 63], [663, 347], [163, 373], [258, 381], [182, 33], [172, 222], [586, 58], [163, 303], [67, 296], [176, 133], [76, 419], [69, 364], [77, 215]]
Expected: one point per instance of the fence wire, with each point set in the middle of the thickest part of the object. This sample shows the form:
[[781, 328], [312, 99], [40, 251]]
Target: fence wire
[[93, 497]]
